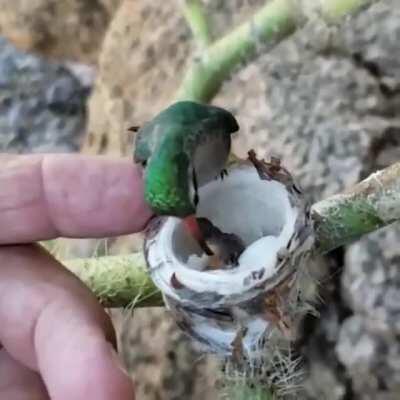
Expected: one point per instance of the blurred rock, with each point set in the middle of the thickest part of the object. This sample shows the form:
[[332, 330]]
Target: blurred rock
[[322, 383], [68, 29], [224, 15], [371, 45], [163, 362], [325, 378], [42, 104], [372, 362], [371, 280], [142, 61], [355, 348], [324, 113]]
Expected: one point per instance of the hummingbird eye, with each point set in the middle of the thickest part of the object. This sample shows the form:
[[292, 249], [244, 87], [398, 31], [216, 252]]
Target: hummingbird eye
[[144, 163]]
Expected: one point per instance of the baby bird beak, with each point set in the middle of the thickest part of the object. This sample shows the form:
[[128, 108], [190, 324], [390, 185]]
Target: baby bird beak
[[194, 230]]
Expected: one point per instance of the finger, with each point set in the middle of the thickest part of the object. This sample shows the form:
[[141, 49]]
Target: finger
[[53, 324], [18, 382], [45, 196]]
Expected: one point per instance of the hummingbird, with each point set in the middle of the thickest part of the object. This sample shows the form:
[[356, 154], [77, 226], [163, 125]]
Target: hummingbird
[[227, 246], [184, 146]]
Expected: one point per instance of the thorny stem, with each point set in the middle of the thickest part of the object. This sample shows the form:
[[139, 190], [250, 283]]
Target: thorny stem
[[207, 73], [335, 9], [368, 206], [194, 13], [272, 23], [241, 391], [117, 281]]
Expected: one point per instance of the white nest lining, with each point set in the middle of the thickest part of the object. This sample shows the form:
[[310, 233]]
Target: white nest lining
[[258, 211], [224, 338]]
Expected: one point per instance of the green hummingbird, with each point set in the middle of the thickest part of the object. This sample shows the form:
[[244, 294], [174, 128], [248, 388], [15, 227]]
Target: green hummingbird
[[183, 147]]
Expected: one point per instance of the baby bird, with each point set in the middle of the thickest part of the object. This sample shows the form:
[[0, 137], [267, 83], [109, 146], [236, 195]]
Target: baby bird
[[227, 247]]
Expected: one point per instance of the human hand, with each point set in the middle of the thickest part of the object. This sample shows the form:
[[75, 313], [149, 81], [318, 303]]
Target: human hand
[[57, 340]]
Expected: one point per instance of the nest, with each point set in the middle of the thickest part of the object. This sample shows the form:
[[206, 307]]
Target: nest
[[235, 309]]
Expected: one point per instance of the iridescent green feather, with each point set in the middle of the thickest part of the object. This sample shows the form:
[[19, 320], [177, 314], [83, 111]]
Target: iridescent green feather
[[167, 143]]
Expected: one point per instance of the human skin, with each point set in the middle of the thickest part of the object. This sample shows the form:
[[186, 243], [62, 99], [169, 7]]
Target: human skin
[[57, 341]]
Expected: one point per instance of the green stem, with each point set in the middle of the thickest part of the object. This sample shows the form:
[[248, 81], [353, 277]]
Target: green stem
[[335, 9], [193, 11], [118, 281], [272, 23], [205, 76], [242, 391], [370, 205]]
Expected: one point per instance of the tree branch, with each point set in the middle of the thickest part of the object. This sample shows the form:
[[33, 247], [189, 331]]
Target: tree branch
[[370, 205], [195, 15], [117, 281], [241, 391], [272, 23]]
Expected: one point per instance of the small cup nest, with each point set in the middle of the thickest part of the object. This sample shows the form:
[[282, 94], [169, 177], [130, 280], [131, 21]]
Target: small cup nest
[[234, 310]]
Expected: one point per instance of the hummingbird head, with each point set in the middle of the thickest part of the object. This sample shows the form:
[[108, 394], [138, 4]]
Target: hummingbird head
[[167, 181], [167, 147], [225, 119]]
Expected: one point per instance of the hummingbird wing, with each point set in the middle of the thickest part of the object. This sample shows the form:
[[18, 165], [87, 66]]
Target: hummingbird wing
[[207, 145]]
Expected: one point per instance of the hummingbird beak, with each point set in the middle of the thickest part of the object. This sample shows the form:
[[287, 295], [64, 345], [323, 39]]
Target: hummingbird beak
[[194, 230]]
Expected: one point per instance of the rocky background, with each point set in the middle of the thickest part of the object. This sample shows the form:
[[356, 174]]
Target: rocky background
[[74, 75]]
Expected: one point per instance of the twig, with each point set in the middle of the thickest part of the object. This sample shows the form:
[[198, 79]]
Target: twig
[[272, 23], [195, 15], [242, 391], [117, 280], [370, 205]]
